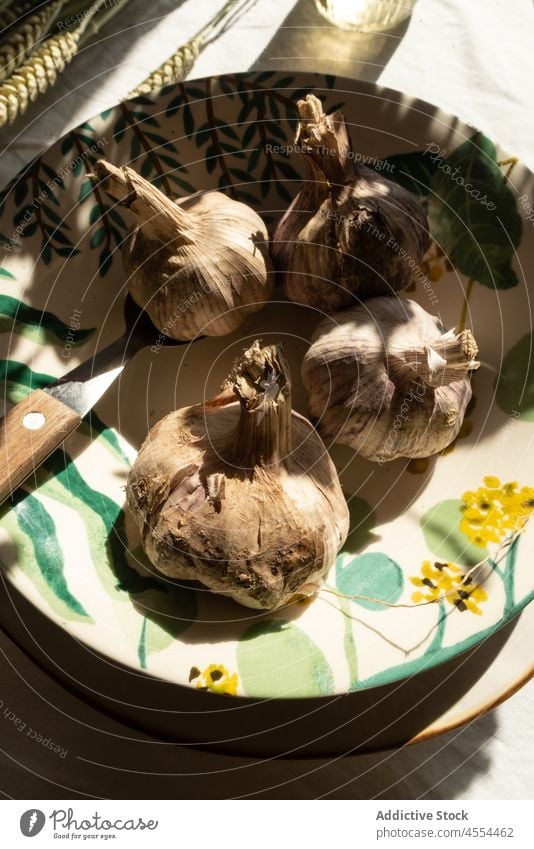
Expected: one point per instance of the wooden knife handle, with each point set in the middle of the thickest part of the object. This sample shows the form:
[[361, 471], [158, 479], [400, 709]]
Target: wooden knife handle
[[29, 433]]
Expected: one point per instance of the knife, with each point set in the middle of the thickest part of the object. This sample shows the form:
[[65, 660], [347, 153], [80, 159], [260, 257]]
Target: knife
[[36, 426]]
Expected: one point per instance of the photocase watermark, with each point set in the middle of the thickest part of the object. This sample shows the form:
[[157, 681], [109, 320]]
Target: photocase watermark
[[437, 156], [32, 822], [322, 150], [66, 826], [66, 820], [77, 19], [96, 147], [417, 394], [526, 206], [21, 726]]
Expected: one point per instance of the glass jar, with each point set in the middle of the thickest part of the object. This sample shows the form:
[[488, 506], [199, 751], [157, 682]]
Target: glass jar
[[366, 15]]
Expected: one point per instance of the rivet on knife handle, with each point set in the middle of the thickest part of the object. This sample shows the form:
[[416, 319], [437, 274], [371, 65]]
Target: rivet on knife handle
[[29, 433]]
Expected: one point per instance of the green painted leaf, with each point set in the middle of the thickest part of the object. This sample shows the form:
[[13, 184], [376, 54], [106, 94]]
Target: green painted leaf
[[51, 174], [22, 188], [77, 167], [283, 192], [147, 167], [287, 169], [476, 224], [6, 275], [275, 130], [194, 92], [105, 262], [120, 128], [54, 217], [248, 135], [142, 100], [264, 77], [240, 174], [285, 82], [67, 252], [148, 120], [57, 235], [30, 229], [98, 237], [373, 574], [106, 527], [174, 106], [39, 325], [5, 241], [226, 87], [273, 103], [277, 659], [46, 252], [247, 197], [254, 158], [515, 383], [37, 524], [250, 103], [135, 148], [95, 214], [183, 184], [116, 217], [86, 190], [22, 217], [441, 530], [167, 616], [66, 145], [413, 171]]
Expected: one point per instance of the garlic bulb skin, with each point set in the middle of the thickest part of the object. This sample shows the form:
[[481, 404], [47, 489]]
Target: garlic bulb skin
[[385, 379], [239, 493], [350, 233], [198, 266]]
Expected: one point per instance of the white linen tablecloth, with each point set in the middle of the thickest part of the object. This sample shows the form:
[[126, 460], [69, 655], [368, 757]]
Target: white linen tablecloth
[[474, 59]]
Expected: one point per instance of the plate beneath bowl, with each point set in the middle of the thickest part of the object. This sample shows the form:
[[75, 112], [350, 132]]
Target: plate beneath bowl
[[66, 542]]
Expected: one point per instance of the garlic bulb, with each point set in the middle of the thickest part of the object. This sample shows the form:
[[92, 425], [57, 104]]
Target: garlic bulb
[[239, 493], [350, 233], [385, 379], [197, 266]]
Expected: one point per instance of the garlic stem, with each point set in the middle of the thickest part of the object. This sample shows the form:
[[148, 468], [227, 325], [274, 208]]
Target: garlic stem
[[446, 360], [326, 140], [159, 217], [261, 381]]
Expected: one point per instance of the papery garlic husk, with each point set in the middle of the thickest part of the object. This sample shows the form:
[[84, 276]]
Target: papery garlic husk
[[199, 265], [239, 493], [350, 233], [387, 380]]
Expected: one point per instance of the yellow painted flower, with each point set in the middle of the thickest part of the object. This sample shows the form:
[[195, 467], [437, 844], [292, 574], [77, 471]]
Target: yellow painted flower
[[447, 579], [494, 511], [216, 678]]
